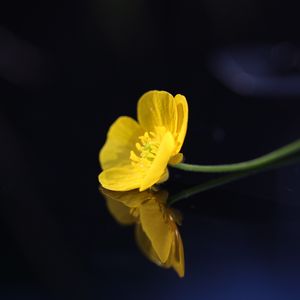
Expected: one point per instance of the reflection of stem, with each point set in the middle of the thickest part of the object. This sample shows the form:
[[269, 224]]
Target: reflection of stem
[[229, 178], [276, 155]]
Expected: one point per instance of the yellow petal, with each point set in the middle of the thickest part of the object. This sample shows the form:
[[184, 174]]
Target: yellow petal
[[120, 212], [157, 234], [176, 216], [155, 225], [164, 177], [157, 109], [121, 138], [159, 164], [145, 245], [123, 178], [176, 159], [182, 120], [177, 255], [131, 199]]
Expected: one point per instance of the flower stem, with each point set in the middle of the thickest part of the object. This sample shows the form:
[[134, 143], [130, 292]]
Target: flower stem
[[273, 156], [214, 183]]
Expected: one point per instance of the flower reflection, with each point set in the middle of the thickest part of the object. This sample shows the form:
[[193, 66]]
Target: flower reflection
[[156, 229]]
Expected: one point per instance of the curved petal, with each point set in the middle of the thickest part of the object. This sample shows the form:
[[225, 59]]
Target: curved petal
[[177, 255], [121, 137], [132, 199], [182, 120], [155, 225], [159, 164], [176, 159], [123, 178], [164, 176], [120, 212], [157, 109], [145, 245]]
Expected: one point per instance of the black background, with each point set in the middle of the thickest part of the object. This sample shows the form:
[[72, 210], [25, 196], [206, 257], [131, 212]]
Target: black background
[[68, 69]]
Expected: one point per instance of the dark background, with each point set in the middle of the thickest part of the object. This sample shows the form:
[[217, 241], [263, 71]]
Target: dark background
[[68, 69]]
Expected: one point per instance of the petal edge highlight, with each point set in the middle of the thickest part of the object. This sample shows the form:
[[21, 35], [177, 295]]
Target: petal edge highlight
[[159, 164], [121, 179]]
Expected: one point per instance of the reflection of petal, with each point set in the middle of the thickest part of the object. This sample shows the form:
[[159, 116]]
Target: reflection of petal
[[145, 245], [131, 199], [155, 224], [156, 231], [177, 255], [120, 212]]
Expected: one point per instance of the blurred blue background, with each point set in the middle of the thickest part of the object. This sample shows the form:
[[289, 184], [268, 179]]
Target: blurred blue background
[[68, 69]]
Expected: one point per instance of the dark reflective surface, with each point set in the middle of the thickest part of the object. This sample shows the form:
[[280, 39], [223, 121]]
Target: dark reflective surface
[[67, 71], [155, 219]]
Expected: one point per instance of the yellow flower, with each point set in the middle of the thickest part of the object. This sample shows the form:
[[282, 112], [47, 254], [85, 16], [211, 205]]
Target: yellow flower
[[136, 154], [156, 231]]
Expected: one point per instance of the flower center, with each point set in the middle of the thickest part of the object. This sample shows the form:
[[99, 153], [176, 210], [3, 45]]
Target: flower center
[[146, 150]]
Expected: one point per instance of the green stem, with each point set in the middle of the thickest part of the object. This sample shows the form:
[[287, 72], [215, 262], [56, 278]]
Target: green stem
[[280, 153], [214, 183]]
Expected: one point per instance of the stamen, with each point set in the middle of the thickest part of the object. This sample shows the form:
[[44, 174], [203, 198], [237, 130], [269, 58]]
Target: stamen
[[138, 146], [146, 150], [134, 157]]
